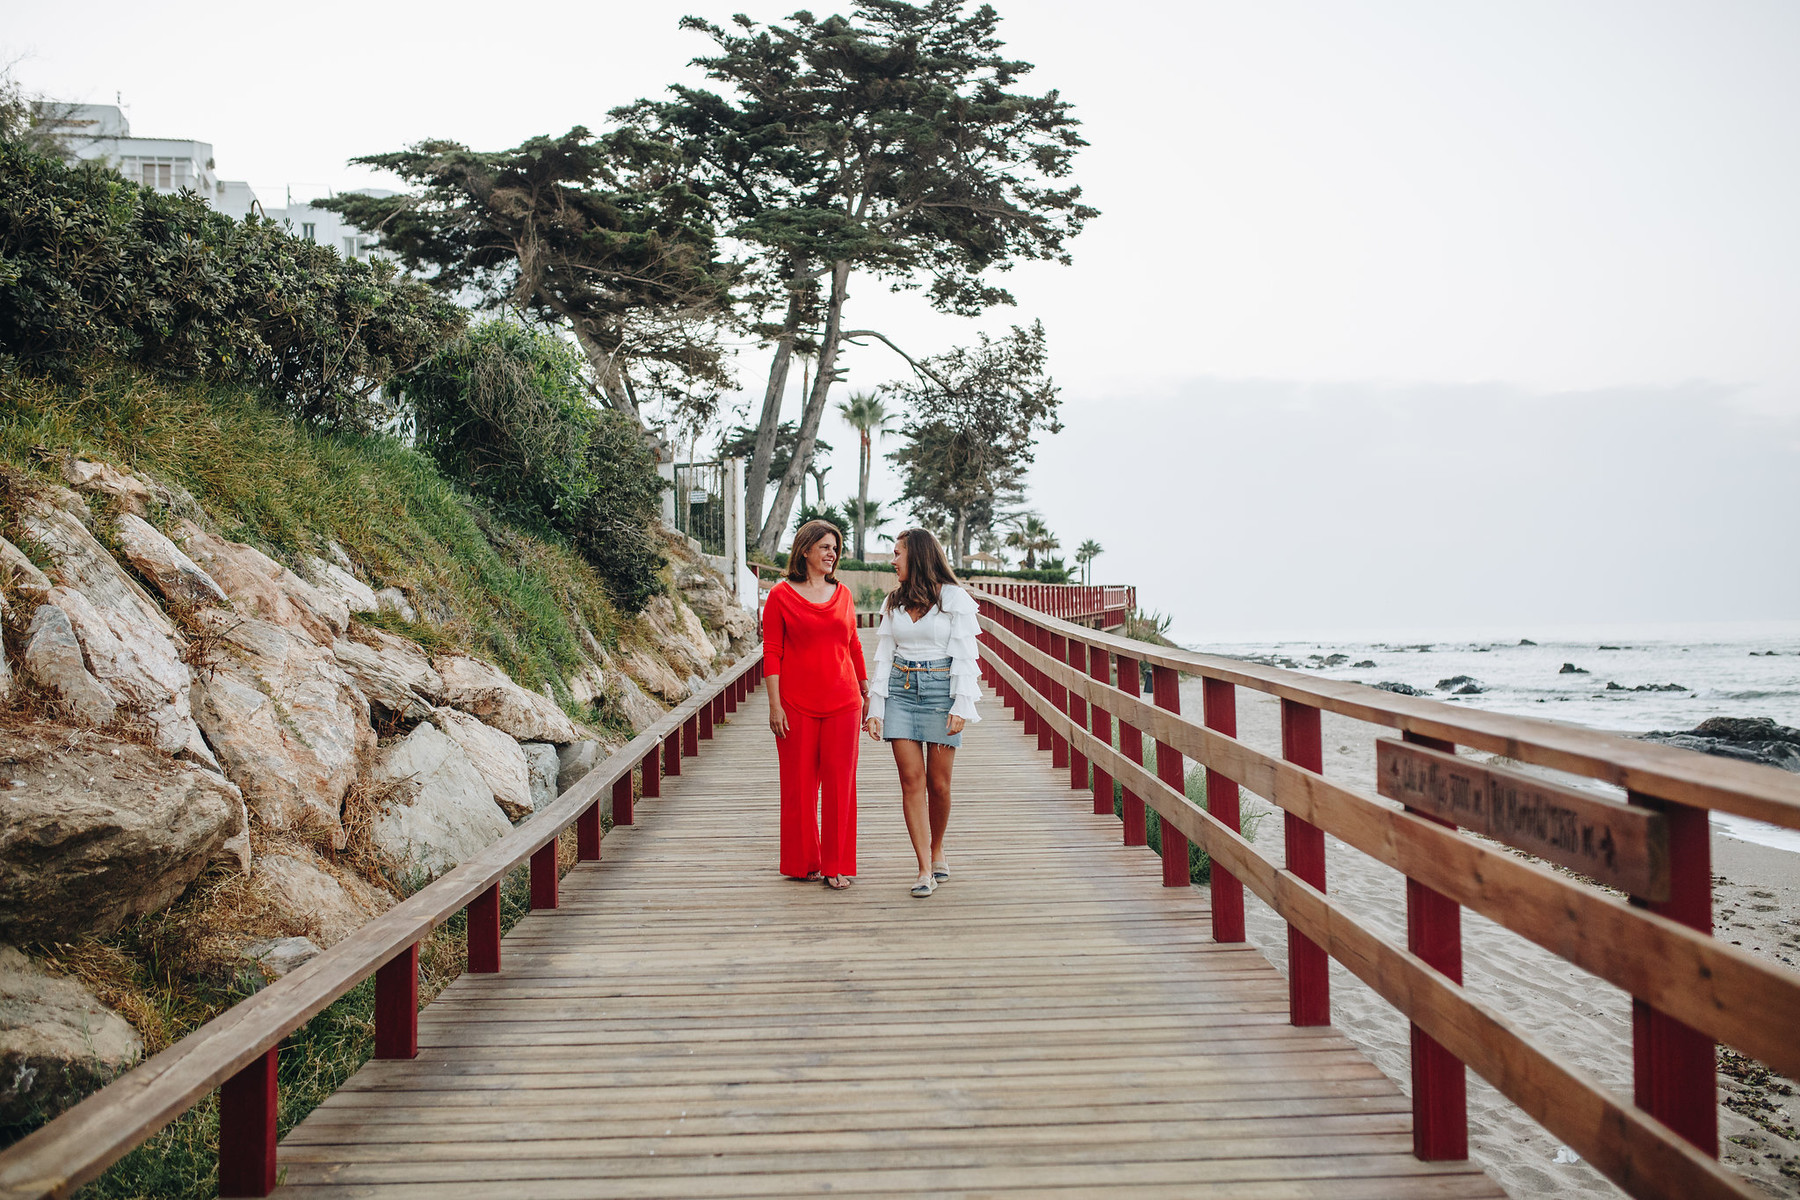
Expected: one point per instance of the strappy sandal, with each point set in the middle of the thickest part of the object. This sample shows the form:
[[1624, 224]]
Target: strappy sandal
[[837, 883], [924, 888]]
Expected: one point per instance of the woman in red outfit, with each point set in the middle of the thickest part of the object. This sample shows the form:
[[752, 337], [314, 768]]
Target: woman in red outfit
[[818, 696]]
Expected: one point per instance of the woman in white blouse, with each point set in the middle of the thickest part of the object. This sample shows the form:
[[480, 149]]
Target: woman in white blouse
[[922, 690]]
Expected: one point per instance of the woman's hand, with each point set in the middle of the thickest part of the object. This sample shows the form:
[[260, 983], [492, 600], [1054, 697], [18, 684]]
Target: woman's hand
[[872, 727], [953, 724], [778, 721]]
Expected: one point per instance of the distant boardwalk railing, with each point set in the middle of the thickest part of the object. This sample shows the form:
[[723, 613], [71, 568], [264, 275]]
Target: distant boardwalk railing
[[1101, 606], [236, 1051], [1069, 684]]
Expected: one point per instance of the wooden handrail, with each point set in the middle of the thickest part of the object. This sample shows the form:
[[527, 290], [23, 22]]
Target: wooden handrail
[[1676, 973], [81, 1143]]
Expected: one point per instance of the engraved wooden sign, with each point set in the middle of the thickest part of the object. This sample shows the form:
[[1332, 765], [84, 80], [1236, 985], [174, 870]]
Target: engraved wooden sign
[[1619, 845]]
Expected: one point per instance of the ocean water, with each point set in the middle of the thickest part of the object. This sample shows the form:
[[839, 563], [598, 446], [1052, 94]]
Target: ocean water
[[1717, 670]]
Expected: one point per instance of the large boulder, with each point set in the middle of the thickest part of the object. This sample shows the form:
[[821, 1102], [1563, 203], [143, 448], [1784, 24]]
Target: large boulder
[[19, 576], [264, 588], [161, 561], [278, 956], [382, 679], [716, 606], [487, 692], [310, 899], [82, 564], [58, 1043], [53, 660], [97, 478], [438, 809], [576, 760], [542, 765], [654, 675], [289, 726], [338, 581], [1747, 739], [679, 635], [495, 756], [94, 831]]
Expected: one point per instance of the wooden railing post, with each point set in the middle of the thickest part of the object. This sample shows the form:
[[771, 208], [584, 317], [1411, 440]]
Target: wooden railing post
[[484, 932], [397, 1005], [1058, 646], [1309, 968], [1131, 745], [1100, 724], [672, 753], [248, 1106], [1674, 1066], [690, 735], [652, 774], [1165, 690], [1078, 714], [704, 732], [544, 875], [622, 814], [1040, 682], [1027, 677], [1440, 1092], [729, 697], [1218, 703], [587, 827]]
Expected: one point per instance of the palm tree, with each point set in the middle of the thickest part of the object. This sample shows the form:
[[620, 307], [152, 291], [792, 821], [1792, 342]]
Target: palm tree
[[871, 518], [865, 413], [1032, 535], [1085, 554]]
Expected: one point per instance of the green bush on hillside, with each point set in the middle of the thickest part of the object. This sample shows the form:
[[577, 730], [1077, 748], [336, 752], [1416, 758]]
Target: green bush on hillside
[[503, 410], [94, 266]]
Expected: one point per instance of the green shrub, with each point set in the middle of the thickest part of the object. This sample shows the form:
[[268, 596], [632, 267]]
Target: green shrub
[[93, 266], [504, 411]]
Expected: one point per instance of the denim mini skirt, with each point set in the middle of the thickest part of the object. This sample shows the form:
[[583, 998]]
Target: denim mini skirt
[[918, 703]]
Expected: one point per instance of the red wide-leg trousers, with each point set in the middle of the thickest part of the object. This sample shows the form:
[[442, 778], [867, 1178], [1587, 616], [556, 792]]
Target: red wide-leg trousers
[[818, 777]]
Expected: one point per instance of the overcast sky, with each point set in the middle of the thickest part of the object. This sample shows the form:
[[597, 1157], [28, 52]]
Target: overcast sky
[[1398, 315]]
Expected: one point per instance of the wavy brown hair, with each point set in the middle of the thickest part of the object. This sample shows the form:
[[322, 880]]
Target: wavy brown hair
[[805, 538], [927, 571]]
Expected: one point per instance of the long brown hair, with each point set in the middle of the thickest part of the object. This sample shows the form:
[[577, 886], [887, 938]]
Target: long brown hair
[[805, 538], [927, 571]]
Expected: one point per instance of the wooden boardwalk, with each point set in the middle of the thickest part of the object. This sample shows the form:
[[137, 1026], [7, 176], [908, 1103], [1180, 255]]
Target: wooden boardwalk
[[689, 1024]]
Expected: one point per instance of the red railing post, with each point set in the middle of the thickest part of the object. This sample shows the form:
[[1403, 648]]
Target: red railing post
[[672, 753], [587, 827], [247, 1110], [1674, 1066], [484, 932], [544, 875], [1078, 715], [1218, 702], [718, 707], [621, 800], [1100, 724], [1058, 646], [690, 735], [1131, 745], [652, 777], [1165, 689], [704, 732], [1309, 978], [1440, 1092], [1040, 681], [729, 697], [397, 1005], [1028, 677]]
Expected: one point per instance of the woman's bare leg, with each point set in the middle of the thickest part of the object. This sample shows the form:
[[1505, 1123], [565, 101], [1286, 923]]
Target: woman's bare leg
[[909, 760], [937, 786]]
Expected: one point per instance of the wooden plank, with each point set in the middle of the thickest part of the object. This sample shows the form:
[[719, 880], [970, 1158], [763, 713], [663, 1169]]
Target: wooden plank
[[1620, 846]]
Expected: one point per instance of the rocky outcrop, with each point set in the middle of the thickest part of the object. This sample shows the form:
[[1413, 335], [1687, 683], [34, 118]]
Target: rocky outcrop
[[97, 478], [278, 956], [385, 679], [53, 659], [1400, 689], [439, 810], [679, 635], [497, 758], [94, 831], [647, 670], [336, 580], [307, 897], [708, 597], [1747, 739], [486, 692], [542, 765], [57, 1041], [160, 561], [20, 577], [1570, 669], [287, 723], [1461, 685], [262, 587], [574, 761]]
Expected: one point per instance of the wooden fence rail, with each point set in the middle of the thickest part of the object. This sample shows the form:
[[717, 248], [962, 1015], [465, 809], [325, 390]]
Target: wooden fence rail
[[1069, 684], [236, 1051]]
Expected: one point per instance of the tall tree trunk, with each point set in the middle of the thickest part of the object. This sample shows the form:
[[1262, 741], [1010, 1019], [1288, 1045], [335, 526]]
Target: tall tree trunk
[[815, 410], [959, 537], [606, 372], [862, 493], [756, 483]]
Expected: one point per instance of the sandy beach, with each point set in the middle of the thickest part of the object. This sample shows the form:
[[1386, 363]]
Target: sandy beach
[[1578, 1018]]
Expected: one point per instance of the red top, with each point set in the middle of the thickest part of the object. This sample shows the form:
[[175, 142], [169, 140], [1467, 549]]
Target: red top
[[814, 647]]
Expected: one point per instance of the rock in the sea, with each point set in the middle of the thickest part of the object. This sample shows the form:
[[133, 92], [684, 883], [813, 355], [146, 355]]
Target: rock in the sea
[[278, 956], [439, 810], [161, 561], [1400, 689], [1526, 642], [1461, 685], [263, 587], [94, 831], [53, 660], [58, 1043], [487, 692], [1748, 739], [543, 765], [327, 907], [495, 756], [1365, 665], [1645, 687], [1571, 669], [576, 760], [289, 726]]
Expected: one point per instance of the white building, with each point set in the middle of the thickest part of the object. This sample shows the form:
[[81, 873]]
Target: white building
[[102, 132]]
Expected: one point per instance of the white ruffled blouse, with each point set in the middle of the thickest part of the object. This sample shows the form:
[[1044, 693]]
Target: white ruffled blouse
[[947, 630]]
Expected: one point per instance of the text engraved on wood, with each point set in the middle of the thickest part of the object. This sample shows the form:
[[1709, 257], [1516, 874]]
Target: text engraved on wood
[[1620, 846]]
